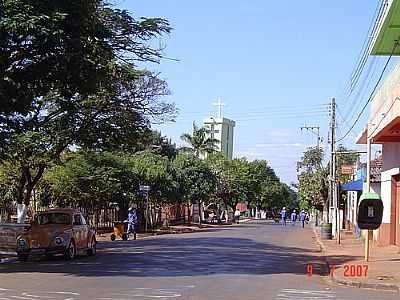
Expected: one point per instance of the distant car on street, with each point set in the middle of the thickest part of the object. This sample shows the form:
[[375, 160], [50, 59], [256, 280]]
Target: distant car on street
[[57, 231]]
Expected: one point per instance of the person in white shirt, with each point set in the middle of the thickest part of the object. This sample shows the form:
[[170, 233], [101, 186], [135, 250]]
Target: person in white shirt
[[237, 215]]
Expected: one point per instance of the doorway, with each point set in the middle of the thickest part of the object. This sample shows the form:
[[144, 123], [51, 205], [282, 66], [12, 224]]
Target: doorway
[[395, 212]]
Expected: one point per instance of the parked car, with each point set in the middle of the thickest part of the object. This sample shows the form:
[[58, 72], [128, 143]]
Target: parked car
[[57, 231]]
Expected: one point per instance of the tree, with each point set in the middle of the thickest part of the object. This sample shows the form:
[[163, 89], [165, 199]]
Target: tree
[[196, 181], [266, 185], [157, 172], [199, 142], [313, 178], [344, 159], [69, 78], [88, 179], [153, 141], [235, 180]]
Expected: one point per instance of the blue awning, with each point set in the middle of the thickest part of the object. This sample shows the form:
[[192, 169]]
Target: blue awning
[[356, 185]]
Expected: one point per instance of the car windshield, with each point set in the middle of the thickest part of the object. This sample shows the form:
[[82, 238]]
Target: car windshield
[[54, 218]]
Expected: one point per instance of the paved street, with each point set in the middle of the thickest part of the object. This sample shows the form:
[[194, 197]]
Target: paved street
[[257, 260]]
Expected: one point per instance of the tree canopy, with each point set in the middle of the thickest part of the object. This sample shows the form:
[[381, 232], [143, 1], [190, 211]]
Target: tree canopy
[[199, 142], [69, 78], [313, 178]]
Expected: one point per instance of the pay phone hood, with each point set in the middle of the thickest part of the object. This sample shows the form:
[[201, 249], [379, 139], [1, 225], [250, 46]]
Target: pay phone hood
[[370, 211]]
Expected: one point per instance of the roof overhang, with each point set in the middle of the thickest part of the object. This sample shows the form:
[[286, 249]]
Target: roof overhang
[[362, 137], [388, 30], [390, 133]]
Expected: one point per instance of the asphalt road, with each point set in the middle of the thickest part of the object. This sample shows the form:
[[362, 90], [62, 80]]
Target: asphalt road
[[257, 260]]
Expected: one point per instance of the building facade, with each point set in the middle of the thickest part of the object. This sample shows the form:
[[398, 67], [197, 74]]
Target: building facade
[[221, 129], [383, 128]]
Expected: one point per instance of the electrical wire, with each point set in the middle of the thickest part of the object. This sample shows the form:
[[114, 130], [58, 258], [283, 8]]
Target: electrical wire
[[372, 93], [280, 112], [271, 109], [367, 44], [363, 59], [344, 122], [353, 107]]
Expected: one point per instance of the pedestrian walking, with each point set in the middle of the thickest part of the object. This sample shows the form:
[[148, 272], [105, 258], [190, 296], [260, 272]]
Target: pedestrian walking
[[303, 217], [283, 216], [237, 215], [132, 220], [293, 217]]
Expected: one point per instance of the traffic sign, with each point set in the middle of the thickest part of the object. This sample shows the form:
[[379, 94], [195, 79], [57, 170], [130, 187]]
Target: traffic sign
[[144, 188]]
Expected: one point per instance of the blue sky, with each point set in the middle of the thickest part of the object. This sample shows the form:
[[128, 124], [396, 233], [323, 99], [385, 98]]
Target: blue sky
[[275, 64]]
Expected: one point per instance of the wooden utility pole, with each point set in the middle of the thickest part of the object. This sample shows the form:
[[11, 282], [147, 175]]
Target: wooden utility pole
[[333, 183], [369, 232]]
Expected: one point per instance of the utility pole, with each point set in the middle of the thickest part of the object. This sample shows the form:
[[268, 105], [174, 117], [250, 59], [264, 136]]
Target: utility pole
[[314, 130], [333, 184], [369, 232]]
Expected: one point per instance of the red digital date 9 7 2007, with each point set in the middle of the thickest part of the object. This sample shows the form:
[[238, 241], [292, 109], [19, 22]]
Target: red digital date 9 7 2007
[[348, 270]]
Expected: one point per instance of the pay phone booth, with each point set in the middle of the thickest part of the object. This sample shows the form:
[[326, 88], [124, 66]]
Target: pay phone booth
[[369, 216], [370, 211]]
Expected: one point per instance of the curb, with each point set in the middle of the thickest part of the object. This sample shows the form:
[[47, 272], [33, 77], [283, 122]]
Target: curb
[[352, 283], [245, 220], [8, 260]]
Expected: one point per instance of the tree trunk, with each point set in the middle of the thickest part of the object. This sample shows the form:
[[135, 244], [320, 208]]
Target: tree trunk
[[24, 190], [22, 211], [200, 213], [188, 211]]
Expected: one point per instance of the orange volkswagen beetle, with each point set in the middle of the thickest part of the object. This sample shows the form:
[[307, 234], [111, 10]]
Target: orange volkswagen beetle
[[57, 231]]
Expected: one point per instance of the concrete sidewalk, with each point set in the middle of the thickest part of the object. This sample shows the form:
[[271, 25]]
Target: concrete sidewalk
[[179, 229], [347, 266], [7, 257]]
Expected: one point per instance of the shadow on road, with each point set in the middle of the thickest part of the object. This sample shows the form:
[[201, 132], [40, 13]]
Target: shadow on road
[[194, 256]]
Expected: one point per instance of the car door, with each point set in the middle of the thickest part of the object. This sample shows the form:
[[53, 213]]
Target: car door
[[85, 233], [78, 230]]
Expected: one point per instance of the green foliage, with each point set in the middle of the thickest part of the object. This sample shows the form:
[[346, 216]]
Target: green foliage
[[254, 183], [199, 142], [87, 179], [68, 77], [157, 172], [345, 159], [312, 176], [197, 182]]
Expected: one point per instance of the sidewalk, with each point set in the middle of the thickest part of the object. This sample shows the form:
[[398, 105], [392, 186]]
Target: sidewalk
[[178, 229], [347, 266], [6, 257]]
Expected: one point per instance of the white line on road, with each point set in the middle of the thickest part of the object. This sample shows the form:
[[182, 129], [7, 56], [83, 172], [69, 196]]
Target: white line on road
[[295, 294]]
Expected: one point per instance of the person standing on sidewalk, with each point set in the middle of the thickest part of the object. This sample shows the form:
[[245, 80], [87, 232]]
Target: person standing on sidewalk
[[237, 215], [283, 216], [294, 217], [132, 220], [303, 216]]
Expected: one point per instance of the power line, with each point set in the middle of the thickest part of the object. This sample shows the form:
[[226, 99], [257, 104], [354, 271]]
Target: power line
[[272, 109], [352, 107], [367, 44], [273, 114], [362, 60], [371, 95], [344, 122]]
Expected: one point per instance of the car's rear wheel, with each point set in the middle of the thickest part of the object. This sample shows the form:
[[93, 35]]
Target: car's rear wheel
[[71, 251], [92, 247]]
